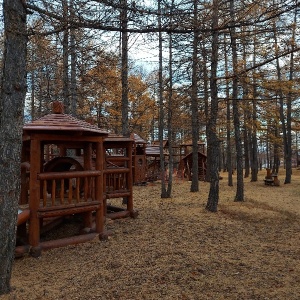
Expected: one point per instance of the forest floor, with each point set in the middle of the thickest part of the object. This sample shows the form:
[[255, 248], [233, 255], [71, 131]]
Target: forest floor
[[176, 249]]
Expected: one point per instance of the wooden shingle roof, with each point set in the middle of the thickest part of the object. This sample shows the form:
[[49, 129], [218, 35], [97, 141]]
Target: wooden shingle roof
[[137, 139], [59, 122]]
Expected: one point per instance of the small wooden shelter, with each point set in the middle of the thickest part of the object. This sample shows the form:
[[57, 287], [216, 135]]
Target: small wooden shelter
[[187, 147], [186, 161], [61, 186]]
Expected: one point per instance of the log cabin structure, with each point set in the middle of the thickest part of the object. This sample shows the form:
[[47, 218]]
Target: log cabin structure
[[68, 169]]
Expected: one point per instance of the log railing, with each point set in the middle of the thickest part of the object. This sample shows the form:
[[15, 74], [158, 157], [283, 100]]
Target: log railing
[[68, 188], [117, 184]]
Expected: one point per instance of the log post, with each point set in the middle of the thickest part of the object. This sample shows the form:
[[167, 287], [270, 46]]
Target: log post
[[99, 194], [34, 197]]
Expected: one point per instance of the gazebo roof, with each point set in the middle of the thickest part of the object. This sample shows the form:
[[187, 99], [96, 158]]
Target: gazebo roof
[[137, 139], [191, 154], [154, 150], [60, 123]]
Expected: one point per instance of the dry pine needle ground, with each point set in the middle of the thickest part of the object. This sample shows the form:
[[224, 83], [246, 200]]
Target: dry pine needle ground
[[175, 249]]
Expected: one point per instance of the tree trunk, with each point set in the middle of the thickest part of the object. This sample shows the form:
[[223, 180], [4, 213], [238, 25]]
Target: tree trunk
[[124, 22], [73, 81], [212, 138], [285, 121], [12, 98], [246, 143], [288, 155], [65, 45], [247, 118], [164, 193], [205, 96], [228, 122], [253, 149], [194, 106], [32, 95], [170, 105], [236, 120]]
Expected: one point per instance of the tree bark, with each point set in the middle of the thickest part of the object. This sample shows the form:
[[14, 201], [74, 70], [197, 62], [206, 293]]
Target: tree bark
[[124, 36], [228, 122], [235, 107], [170, 108], [65, 45], [212, 138], [73, 79], [253, 148], [288, 150], [285, 120], [12, 98], [164, 193], [194, 101]]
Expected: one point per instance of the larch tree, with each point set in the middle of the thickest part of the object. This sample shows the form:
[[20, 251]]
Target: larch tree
[[66, 53], [284, 118], [194, 101], [73, 62], [124, 63], [228, 120], [253, 131], [12, 98], [164, 190], [288, 148], [212, 137], [235, 107]]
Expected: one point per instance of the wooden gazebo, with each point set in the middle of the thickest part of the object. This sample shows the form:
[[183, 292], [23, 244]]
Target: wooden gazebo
[[61, 186]]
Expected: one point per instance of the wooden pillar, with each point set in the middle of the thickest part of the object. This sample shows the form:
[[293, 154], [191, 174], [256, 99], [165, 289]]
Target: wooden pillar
[[87, 165], [25, 168], [130, 179], [100, 158], [34, 197], [104, 184]]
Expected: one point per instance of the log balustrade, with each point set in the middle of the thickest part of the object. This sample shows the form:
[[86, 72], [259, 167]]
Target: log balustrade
[[80, 188]]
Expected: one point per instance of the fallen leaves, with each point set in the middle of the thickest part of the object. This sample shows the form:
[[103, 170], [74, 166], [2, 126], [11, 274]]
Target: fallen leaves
[[175, 249]]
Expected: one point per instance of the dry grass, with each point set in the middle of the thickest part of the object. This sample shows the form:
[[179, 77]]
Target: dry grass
[[175, 249]]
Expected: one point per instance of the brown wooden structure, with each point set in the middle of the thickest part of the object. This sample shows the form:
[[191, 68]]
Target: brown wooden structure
[[153, 162], [66, 170], [271, 178], [187, 148], [139, 159], [118, 177], [186, 161]]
